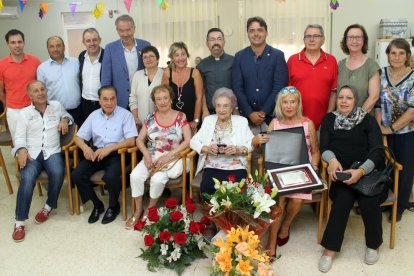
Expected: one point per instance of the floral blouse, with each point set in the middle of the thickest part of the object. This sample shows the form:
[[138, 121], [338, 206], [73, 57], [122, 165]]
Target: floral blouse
[[162, 139]]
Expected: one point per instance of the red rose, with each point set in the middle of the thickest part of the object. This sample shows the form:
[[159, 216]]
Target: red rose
[[148, 240], [189, 200], [231, 177], [153, 215], [152, 209], [176, 216], [171, 203], [165, 236], [268, 190], [202, 228], [190, 207], [205, 220], [139, 225], [180, 238], [194, 228]]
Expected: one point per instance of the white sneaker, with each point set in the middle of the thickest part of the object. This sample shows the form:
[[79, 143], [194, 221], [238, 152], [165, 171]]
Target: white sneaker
[[371, 256], [325, 263]]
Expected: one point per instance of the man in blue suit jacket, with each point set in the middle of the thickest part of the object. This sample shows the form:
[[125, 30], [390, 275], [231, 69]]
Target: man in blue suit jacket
[[122, 59]]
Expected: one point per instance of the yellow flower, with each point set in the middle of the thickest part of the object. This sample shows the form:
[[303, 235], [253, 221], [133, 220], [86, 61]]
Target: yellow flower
[[242, 248], [244, 267], [224, 261]]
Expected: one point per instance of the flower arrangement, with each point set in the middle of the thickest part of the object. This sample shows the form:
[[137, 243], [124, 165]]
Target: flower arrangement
[[172, 238], [240, 254]]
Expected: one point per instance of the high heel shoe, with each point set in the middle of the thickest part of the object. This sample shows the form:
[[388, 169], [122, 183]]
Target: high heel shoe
[[283, 241]]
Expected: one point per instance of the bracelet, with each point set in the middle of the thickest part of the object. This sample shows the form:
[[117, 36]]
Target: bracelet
[[392, 129]]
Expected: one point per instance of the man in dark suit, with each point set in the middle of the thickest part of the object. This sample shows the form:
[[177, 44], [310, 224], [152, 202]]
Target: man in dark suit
[[122, 59], [90, 69]]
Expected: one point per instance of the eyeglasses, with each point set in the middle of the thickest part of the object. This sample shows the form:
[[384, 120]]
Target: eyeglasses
[[315, 36], [288, 89], [213, 39], [149, 57], [357, 38]]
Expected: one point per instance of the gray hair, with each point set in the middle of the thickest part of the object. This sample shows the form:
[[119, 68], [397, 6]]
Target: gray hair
[[125, 18], [90, 30], [227, 93], [314, 26]]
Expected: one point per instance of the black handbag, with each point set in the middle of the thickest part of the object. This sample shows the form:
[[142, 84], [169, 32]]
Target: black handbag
[[376, 181]]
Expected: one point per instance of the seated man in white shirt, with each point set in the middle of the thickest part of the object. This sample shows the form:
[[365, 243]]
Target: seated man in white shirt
[[37, 145]]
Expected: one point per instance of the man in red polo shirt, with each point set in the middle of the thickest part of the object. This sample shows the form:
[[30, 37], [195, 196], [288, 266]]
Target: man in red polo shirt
[[16, 71], [314, 73]]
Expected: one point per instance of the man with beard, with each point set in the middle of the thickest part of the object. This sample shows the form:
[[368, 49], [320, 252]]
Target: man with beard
[[215, 69]]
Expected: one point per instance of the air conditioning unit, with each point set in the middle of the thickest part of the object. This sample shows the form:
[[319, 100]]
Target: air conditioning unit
[[9, 13]]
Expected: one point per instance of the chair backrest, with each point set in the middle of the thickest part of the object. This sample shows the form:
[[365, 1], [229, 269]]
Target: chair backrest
[[68, 138], [286, 147]]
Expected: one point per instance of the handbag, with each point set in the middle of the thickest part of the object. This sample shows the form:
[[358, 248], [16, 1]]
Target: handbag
[[376, 181]]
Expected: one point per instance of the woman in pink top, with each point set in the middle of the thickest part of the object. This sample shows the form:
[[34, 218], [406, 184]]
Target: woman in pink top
[[288, 112]]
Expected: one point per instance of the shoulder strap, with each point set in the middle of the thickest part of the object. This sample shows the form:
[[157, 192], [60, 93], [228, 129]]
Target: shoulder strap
[[391, 157]]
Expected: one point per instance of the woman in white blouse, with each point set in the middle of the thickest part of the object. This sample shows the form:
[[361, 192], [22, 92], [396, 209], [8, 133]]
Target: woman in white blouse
[[143, 82]]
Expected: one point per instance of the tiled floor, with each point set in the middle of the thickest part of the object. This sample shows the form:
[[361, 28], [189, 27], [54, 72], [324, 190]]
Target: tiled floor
[[68, 245]]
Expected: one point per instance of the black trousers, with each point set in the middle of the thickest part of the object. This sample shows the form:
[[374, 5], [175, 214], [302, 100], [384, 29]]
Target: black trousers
[[88, 107], [112, 177], [207, 183], [343, 199], [76, 113]]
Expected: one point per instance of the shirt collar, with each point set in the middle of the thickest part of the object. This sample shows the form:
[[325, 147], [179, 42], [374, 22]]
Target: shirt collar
[[10, 59], [220, 57], [127, 48], [65, 59], [98, 57], [111, 115], [302, 55]]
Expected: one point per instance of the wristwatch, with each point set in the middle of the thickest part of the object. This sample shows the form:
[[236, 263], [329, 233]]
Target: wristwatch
[[244, 151], [197, 120]]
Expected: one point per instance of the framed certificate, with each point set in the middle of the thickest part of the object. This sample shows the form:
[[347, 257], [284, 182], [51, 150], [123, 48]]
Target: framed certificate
[[295, 179]]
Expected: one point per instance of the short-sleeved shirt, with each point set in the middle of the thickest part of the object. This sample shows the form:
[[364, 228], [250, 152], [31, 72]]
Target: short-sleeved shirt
[[16, 76], [162, 139], [315, 83], [62, 81], [395, 99], [359, 77], [107, 130], [216, 73]]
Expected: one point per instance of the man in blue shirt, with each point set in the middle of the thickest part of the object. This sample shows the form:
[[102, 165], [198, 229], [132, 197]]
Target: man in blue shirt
[[60, 74], [110, 128], [122, 59], [258, 73]]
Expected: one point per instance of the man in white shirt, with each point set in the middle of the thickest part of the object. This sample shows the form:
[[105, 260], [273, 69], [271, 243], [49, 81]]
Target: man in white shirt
[[37, 145], [90, 67]]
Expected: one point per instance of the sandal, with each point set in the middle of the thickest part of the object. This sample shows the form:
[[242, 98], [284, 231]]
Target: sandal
[[130, 224], [410, 206]]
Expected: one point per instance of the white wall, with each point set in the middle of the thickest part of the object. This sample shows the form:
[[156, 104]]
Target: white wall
[[365, 12]]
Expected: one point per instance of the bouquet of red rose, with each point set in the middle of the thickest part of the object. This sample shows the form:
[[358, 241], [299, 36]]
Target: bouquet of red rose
[[172, 238]]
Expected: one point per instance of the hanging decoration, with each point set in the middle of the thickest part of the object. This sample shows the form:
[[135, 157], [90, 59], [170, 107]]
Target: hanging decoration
[[128, 4], [72, 7], [43, 9], [163, 4], [1, 5], [281, 1], [334, 4], [99, 10], [22, 4]]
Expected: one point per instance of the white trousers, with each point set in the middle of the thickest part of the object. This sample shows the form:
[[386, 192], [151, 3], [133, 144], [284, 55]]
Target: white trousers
[[12, 118], [157, 182]]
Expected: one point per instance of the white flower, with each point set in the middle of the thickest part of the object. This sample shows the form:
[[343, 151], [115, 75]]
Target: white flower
[[217, 183], [215, 205], [262, 204], [200, 241], [226, 203], [164, 249], [175, 255]]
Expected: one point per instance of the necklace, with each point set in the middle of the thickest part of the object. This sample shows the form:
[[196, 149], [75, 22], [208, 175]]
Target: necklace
[[221, 131], [180, 84]]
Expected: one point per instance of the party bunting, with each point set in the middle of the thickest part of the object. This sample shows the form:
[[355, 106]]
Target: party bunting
[[43, 9], [22, 4], [99, 10], [1, 5], [128, 4], [334, 4], [72, 7], [163, 4]]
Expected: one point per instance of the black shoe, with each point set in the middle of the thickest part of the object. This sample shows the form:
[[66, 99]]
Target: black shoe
[[110, 215], [95, 213], [397, 218]]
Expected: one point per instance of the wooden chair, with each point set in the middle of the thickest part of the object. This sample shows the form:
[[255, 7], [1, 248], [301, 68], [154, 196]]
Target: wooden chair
[[319, 197], [5, 140], [96, 178], [178, 183], [66, 142], [392, 198], [195, 180]]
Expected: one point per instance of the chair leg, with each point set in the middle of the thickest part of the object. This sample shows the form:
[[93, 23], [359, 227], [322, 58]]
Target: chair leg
[[77, 201], [39, 188], [5, 173], [393, 225], [70, 196]]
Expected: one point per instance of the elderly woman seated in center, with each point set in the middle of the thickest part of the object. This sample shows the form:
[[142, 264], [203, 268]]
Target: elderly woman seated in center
[[223, 142]]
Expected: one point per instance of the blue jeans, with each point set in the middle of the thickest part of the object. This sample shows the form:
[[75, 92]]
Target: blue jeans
[[55, 169]]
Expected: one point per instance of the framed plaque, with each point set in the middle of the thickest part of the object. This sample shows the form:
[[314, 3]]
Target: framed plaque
[[295, 179]]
